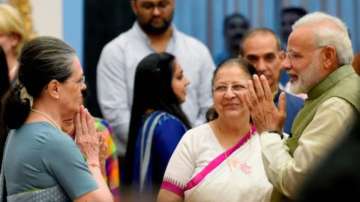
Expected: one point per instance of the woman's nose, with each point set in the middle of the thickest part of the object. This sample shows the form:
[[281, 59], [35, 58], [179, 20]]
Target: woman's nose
[[229, 93]]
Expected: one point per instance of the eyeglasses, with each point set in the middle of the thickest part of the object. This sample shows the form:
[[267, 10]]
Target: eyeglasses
[[79, 81], [293, 55], [222, 88]]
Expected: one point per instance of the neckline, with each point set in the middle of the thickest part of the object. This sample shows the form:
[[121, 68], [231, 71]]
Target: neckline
[[245, 137], [47, 117]]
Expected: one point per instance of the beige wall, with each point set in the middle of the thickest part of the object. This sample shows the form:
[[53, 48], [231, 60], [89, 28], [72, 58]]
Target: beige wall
[[48, 17]]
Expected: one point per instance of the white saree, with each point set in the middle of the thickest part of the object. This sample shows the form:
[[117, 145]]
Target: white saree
[[200, 169]]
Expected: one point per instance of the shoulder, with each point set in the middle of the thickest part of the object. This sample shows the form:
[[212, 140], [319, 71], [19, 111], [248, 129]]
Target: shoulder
[[188, 40], [336, 104], [119, 42], [166, 123], [51, 141], [167, 118], [60, 143], [198, 134], [43, 132], [293, 99]]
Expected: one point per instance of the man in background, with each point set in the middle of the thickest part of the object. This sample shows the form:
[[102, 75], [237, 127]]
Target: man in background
[[153, 31], [261, 47], [289, 15], [234, 28]]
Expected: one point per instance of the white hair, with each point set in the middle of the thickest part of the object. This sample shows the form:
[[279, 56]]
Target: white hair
[[336, 36]]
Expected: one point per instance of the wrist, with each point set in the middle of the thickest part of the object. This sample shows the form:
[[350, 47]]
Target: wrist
[[277, 132], [93, 163]]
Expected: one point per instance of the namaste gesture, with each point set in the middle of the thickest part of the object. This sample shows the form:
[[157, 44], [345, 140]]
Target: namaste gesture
[[259, 99]]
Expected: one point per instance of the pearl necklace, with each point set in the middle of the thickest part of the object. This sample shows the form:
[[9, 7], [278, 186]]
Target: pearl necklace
[[45, 115]]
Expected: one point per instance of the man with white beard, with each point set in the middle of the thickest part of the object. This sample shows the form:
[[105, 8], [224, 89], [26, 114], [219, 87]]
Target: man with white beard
[[318, 61]]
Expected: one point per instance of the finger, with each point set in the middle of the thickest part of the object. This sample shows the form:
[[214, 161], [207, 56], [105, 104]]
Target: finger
[[266, 87], [78, 129], [84, 127], [282, 104], [90, 124], [253, 99], [243, 98], [258, 87], [101, 140]]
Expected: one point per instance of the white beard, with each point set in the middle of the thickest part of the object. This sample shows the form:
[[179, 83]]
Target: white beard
[[306, 80]]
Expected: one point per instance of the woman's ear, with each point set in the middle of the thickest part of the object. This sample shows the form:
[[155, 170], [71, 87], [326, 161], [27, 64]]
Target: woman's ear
[[53, 89], [15, 39]]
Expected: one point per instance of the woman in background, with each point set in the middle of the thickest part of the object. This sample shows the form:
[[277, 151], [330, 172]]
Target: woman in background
[[12, 36], [157, 121], [4, 87]]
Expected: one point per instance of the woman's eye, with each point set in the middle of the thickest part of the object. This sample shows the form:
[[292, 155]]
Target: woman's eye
[[220, 88], [237, 87]]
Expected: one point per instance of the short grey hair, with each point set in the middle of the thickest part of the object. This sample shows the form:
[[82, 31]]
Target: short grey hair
[[329, 35]]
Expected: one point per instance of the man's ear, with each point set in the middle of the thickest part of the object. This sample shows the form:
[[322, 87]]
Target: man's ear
[[53, 89], [329, 57], [134, 6]]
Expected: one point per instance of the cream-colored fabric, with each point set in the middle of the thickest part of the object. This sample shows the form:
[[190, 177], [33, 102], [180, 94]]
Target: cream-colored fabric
[[330, 124], [241, 177]]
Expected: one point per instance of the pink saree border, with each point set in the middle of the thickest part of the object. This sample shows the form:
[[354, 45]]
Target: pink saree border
[[173, 188], [217, 161], [168, 185]]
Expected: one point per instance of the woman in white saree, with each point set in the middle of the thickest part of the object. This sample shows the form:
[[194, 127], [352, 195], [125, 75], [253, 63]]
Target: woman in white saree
[[220, 160]]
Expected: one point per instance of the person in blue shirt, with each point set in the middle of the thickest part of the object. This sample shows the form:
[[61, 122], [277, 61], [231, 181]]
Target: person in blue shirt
[[157, 122], [288, 16], [235, 27], [261, 47]]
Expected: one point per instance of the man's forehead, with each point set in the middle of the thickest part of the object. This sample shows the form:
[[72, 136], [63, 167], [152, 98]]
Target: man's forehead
[[152, 1], [260, 53], [302, 36], [260, 42]]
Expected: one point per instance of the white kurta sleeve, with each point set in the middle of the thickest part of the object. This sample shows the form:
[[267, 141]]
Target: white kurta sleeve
[[330, 123]]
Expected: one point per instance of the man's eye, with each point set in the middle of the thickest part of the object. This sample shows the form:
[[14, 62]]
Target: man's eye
[[148, 6], [252, 59], [270, 57]]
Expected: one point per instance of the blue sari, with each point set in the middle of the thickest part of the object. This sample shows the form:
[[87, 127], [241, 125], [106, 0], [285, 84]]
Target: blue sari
[[157, 139]]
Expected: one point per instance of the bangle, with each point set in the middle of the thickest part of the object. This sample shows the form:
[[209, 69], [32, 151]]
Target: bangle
[[93, 165]]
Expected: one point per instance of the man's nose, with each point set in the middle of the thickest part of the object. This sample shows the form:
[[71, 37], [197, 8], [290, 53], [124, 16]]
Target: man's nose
[[261, 66], [156, 10], [286, 64]]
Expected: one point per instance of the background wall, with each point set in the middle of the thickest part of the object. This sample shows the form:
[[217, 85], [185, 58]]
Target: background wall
[[88, 25], [199, 18], [203, 18], [48, 17]]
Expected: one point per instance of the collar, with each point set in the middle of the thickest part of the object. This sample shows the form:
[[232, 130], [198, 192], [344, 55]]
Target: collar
[[332, 79], [276, 95], [145, 37]]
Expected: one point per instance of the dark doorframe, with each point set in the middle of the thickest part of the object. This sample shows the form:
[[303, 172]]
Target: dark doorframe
[[104, 20]]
